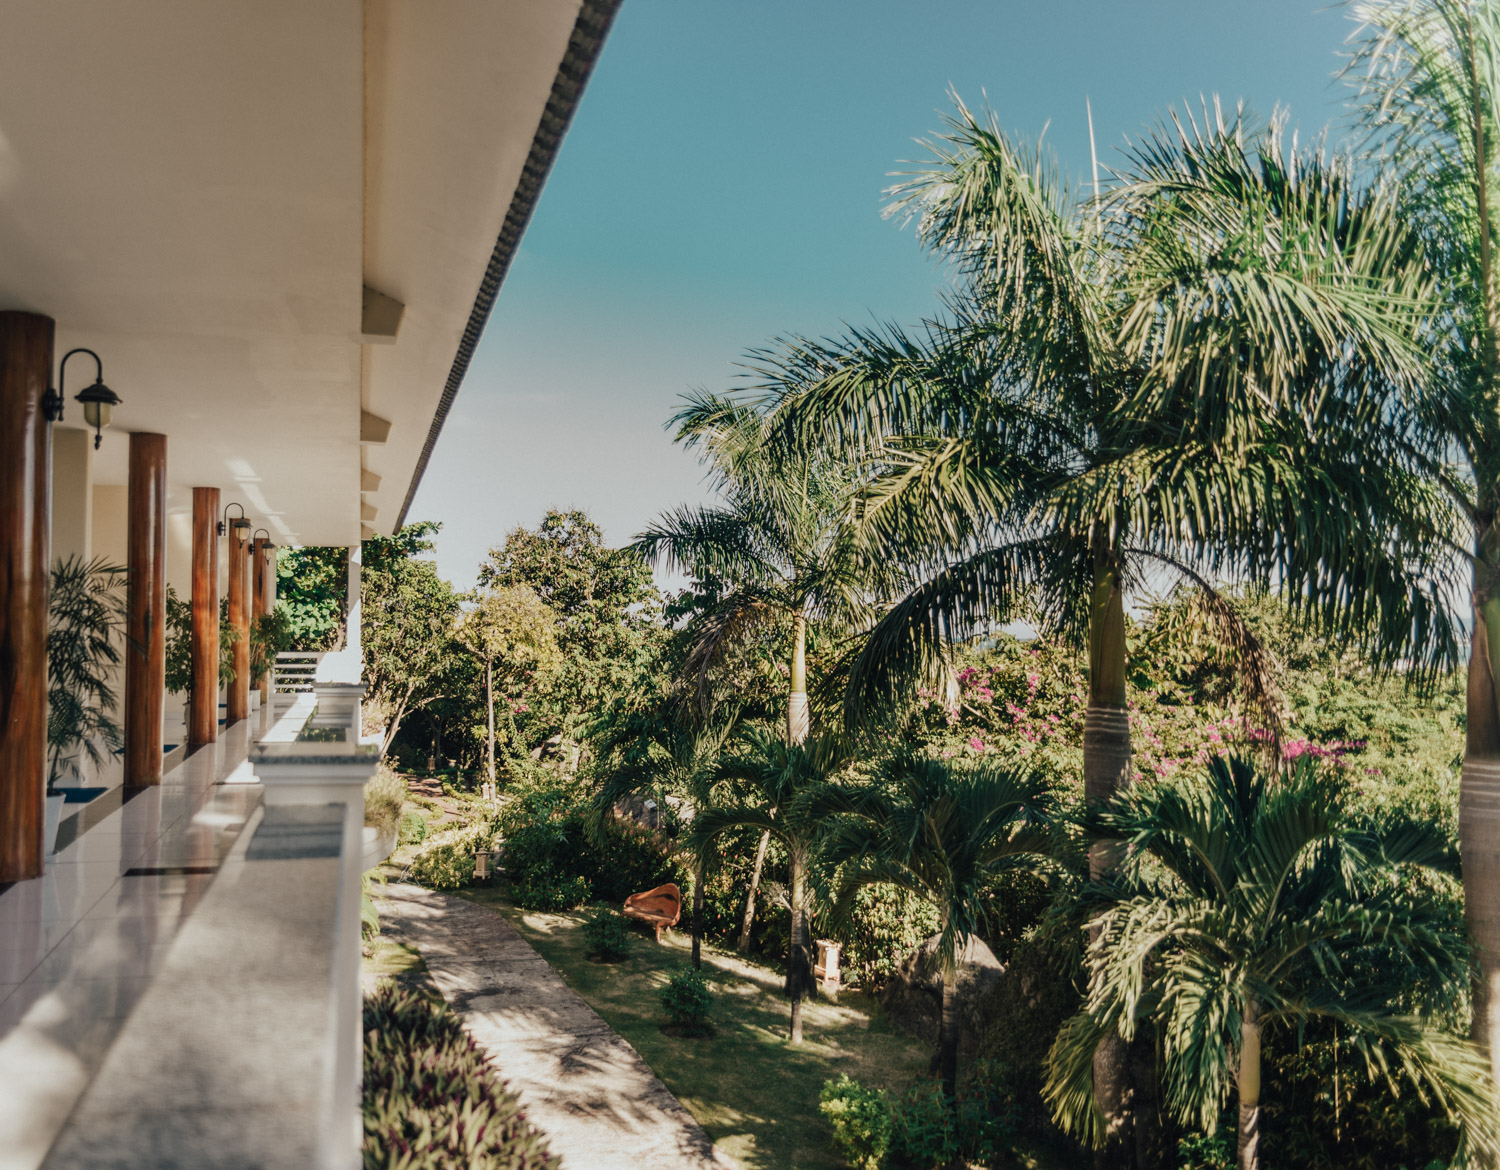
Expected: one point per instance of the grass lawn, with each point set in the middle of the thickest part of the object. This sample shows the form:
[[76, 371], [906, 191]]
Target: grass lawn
[[754, 1093]]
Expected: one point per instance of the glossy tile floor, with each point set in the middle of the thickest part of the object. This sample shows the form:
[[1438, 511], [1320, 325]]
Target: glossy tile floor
[[79, 944]]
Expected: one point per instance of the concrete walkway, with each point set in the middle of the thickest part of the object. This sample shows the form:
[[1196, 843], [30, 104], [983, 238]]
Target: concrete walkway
[[589, 1091]]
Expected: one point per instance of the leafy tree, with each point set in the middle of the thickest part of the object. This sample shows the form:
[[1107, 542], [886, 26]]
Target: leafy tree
[[604, 602], [786, 793], [85, 622], [946, 834], [1241, 905], [312, 586], [1428, 73], [512, 632], [664, 750], [407, 617]]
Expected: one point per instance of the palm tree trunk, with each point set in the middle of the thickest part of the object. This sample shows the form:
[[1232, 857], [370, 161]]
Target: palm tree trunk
[[697, 925], [489, 715], [948, 1035], [1479, 803], [1248, 1146], [1106, 770], [798, 719], [760, 861], [799, 961]]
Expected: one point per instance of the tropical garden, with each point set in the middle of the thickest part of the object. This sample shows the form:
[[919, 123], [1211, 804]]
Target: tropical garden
[[1103, 664]]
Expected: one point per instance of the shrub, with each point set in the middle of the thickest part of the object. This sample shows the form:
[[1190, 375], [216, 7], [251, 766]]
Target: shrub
[[1199, 1151], [545, 889], [929, 1134], [446, 861], [886, 924], [687, 1000], [861, 1120], [431, 1099], [606, 935], [384, 795], [413, 829]]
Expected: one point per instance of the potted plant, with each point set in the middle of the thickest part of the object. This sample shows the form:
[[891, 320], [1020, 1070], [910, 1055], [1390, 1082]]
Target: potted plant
[[179, 655], [86, 614], [270, 634]]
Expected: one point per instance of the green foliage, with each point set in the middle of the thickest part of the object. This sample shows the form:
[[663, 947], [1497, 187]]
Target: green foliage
[[545, 887], [369, 917], [312, 585], [179, 644], [384, 796], [607, 614], [270, 633], [931, 1131], [1246, 902], [432, 1101], [1201, 1151], [607, 935], [687, 1000], [85, 619], [446, 859], [413, 828], [885, 924], [861, 1120]]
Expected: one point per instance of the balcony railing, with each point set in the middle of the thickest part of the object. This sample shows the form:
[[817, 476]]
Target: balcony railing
[[295, 671]]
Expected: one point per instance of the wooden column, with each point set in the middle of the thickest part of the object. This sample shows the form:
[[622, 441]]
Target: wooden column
[[263, 579], [203, 703], [145, 608], [238, 699], [25, 475]]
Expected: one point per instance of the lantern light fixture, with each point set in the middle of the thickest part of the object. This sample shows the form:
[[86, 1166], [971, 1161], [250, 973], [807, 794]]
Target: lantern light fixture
[[267, 545], [98, 400], [239, 524]]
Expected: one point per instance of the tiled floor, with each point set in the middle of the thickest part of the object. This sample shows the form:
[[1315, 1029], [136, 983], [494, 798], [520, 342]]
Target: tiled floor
[[79, 944]]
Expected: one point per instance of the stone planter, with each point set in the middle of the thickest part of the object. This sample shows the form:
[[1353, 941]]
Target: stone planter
[[378, 845]]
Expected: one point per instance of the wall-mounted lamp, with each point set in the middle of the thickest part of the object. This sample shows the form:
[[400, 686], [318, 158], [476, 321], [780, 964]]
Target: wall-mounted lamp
[[269, 545], [239, 524], [98, 400]]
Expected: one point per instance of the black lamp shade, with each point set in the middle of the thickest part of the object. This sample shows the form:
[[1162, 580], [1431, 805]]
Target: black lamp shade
[[98, 402]]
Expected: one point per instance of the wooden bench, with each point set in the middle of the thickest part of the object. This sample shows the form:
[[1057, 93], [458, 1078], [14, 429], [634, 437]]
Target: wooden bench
[[660, 907]]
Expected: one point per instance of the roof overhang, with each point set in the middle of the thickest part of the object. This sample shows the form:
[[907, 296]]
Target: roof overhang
[[277, 223]]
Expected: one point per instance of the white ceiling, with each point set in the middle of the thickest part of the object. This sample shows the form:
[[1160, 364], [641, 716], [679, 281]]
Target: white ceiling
[[198, 191]]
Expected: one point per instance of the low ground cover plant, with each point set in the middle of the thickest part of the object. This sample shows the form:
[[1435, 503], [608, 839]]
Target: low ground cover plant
[[432, 1101]]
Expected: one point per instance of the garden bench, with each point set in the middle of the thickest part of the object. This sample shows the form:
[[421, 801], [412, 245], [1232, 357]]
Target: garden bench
[[660, 907]]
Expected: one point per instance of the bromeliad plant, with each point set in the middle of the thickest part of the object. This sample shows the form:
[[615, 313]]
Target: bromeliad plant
[[85, 619], [1243, 905]]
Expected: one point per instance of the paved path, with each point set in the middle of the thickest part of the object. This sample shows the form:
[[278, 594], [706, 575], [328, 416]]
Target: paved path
[[589, 1091]]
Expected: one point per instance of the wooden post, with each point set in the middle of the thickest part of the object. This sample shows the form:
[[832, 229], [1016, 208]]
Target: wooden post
[[203, 705], [263, 589], [25, 476], [145, 608], [238, 699]]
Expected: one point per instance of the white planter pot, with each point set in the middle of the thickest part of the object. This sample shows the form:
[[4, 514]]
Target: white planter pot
[[255, 700], [53, 819], [378, 846]]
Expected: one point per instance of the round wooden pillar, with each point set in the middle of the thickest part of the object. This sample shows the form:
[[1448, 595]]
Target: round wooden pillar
[[145, 608], [203, 701], [238, 699], [25, 475], [262, 582]]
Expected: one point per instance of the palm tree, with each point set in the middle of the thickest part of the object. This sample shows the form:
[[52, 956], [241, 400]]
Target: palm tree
[[664, 748], [1429, 84], [945, 834], [1244, 905], [85, 616], [778, 553], [1192, 377], [786, 794]]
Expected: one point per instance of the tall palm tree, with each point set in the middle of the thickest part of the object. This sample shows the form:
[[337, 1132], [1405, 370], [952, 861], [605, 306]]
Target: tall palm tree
[[779, 553], [665, 749], [786, 793], [1191, 377], [945, 834], [1428, 82], [1244, 905]]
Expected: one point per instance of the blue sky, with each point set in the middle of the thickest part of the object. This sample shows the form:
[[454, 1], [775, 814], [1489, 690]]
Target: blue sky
[[721, 184]]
